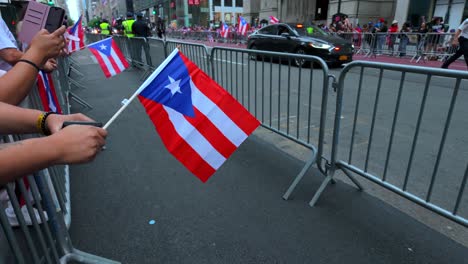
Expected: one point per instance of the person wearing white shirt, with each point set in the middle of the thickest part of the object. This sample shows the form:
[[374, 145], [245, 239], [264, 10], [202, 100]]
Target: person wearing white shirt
[[461, 40]]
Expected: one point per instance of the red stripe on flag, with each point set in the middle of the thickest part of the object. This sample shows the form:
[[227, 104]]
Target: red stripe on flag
[[228, 104], [117, 51], [114, 65], [211, 133], [42, 93], [101, 63], [54, 93], [174, 142]]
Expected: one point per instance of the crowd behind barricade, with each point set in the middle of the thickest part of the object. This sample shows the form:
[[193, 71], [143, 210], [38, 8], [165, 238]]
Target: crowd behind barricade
[[431, 40]]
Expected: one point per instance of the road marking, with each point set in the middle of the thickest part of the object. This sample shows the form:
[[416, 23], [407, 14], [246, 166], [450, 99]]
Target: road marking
[[227, 61]]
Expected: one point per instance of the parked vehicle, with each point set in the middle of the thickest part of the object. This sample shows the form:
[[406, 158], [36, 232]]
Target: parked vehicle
[[302, 39]]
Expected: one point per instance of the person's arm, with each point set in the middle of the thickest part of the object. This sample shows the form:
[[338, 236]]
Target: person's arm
[[16, 84], [455, 38], [73, 144], [11, 55]]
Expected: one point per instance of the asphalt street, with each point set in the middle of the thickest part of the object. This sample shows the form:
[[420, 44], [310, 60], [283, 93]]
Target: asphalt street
[[135, 203]]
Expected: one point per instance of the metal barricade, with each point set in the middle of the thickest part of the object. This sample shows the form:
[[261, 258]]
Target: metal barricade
[[122, 43], [157, 50], [288, 100], [407, 136], [197, 53], [139, 52]]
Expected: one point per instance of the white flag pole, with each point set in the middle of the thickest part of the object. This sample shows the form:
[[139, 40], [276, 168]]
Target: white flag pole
[[143, 86]]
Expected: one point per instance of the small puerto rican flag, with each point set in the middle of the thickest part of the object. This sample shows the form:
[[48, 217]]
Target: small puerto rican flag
[[225, 30], [109, 57], [274, 20], [76, 37], [47, 93]]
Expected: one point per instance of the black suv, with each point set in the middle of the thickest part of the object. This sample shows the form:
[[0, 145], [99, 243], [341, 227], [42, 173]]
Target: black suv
[[302, 39]]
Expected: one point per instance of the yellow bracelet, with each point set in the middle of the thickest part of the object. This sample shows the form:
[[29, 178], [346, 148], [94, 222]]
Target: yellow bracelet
[[39, 122]]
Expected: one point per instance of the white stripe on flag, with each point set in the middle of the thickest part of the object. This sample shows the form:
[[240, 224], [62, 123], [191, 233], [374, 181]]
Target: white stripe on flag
[[219, 119], [196, 140], [109, 66], [117, 60]]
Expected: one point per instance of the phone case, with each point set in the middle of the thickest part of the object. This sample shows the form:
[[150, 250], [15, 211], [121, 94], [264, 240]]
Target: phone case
[[37, 17]]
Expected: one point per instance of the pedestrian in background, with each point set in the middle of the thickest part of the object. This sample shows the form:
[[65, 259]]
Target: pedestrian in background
[[392, 37], [460, 40], [404, 39]]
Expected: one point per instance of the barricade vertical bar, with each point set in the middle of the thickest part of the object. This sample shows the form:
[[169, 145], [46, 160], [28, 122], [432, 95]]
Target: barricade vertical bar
[[60, 191], [298, 114], [395, 118], [309, 118], [237, 78], [416, 133], [51, 215], [279, 93], [214, 76], [444, 136], [248, 86], [10, 236], [460, 192], [271, 92], [323, 118], [263, 85], [22, 222], [232, 76], [374, 114], [288, 97], [356, 112]]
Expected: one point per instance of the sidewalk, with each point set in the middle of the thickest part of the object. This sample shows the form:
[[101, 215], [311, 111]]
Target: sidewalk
[[238, 216]]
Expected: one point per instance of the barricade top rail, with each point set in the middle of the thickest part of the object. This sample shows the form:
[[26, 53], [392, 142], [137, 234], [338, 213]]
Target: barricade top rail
[[405, 68], [313, 58], [186, 43]]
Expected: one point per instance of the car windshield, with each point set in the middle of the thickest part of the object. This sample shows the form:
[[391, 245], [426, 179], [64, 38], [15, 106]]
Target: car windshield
[[309, 30]]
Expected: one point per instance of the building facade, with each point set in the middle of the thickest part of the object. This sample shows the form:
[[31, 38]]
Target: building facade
[[359, 11]]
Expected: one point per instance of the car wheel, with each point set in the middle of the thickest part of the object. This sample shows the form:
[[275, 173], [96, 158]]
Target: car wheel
[[298, 61], [253, 56]]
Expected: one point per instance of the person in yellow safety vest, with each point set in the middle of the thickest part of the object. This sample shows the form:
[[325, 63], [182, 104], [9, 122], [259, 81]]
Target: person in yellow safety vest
[[127, 25], [105, 27]]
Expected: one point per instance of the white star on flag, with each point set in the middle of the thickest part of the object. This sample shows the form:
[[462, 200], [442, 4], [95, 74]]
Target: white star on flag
[[173, 86], [103, 47]]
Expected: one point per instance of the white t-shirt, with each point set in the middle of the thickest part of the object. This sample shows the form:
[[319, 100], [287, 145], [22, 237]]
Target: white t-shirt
[[464, 29], [7, 40]]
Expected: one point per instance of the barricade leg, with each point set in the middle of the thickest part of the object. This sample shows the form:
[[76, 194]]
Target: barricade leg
[[300, 175]]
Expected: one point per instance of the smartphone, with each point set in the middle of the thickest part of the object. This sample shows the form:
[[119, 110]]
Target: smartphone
[[37, 17], [86, 123], [54, 18]]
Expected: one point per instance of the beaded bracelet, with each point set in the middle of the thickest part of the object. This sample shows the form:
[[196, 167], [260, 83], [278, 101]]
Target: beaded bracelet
[[41, 123]]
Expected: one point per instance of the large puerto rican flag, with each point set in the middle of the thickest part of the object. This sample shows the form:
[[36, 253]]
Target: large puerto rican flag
[[243, 26], [109, 57], [46, 88], [198, 121], [76, 42]]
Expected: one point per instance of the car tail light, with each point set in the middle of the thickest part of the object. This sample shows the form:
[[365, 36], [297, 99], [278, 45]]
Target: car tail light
[[337, 49]]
